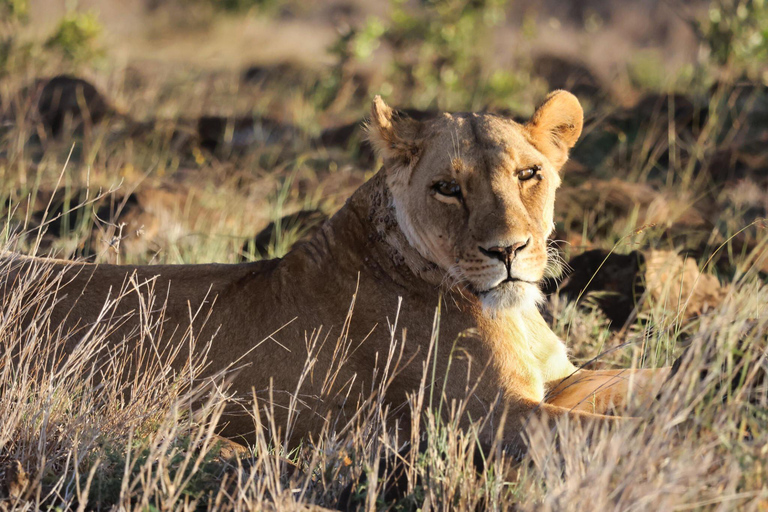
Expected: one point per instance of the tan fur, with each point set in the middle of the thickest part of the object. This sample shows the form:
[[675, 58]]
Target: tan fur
[[391, 240]]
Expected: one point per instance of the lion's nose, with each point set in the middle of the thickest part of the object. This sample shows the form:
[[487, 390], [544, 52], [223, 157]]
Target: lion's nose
[[505, 254]]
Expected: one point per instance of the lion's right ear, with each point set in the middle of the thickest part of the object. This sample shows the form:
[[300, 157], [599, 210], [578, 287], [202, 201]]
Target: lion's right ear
[[394, 137]]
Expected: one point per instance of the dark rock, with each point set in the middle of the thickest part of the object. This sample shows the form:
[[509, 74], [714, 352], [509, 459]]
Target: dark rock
[[562, 73], [688, 114], [240, 133], [66, 98], [614, 281], [349, 137], [418, 114], [283, 73]]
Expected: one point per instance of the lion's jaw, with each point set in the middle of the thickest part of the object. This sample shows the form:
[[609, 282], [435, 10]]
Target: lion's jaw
[[465, 198]]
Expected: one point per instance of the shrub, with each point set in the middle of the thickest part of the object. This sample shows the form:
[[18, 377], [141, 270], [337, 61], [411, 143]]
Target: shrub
[[76, 37], [736, 32], [441, 55], [14, 10], [240, 6], [12, 14]]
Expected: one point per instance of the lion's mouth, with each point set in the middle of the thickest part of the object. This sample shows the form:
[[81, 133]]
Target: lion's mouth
[[506, 282]]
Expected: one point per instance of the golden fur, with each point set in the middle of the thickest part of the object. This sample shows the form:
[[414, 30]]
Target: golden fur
[[397, 237]]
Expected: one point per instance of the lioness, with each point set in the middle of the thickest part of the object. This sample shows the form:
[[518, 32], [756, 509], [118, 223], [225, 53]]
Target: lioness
[[458, 216]]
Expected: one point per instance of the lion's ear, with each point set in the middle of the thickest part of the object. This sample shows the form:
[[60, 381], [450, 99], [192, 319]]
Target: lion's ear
[[394, 137], [556, 125]]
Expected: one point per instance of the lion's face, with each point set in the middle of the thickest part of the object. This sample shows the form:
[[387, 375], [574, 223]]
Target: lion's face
[[475, 193]]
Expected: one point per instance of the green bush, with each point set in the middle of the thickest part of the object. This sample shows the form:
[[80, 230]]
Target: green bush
[[442, 51], [240, 6], [76, 37], [736, 32], [442, 55], [13, 13], [14, 10]]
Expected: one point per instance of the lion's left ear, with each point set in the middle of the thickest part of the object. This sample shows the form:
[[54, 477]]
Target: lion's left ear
[[556, 126], [394, 137]]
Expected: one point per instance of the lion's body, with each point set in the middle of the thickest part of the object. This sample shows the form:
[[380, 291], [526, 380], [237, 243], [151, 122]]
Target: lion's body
[[372, 254]]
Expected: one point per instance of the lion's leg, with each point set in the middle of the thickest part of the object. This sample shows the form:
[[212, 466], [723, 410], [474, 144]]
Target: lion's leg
[[509, 427], [515, 441], [605, 391]]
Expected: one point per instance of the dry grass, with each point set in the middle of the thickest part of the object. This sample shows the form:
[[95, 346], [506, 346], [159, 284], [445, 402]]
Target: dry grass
[[97, 429]]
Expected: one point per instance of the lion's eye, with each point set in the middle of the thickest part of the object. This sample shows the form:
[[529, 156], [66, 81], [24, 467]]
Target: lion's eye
[[528, 173], [448, 188]]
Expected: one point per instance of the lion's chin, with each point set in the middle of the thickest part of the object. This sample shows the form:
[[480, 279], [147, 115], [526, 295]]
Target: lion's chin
[[511, 295]]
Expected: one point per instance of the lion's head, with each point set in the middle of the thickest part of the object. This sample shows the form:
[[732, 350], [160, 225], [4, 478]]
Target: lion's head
[[474, 194]]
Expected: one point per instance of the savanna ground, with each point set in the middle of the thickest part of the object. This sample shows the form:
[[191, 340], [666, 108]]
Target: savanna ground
[[210, 119]]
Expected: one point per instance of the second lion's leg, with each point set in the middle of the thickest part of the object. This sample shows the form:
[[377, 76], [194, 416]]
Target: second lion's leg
[[606, 391]]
